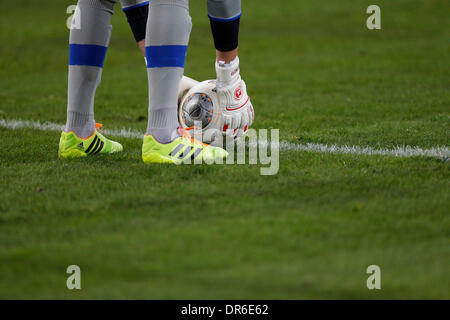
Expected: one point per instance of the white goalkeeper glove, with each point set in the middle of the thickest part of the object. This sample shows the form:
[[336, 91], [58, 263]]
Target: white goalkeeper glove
[[235, 104]]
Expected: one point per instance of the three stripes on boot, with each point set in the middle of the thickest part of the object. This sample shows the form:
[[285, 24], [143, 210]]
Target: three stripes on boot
[[185, 153], [95, 147]]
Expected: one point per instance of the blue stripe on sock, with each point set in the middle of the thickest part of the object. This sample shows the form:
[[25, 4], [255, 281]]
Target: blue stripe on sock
[[136, 6], [225, 20], [87, 55], [165, 56]]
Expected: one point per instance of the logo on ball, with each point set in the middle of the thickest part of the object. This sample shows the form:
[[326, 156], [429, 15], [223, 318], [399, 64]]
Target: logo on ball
[[197, 107]]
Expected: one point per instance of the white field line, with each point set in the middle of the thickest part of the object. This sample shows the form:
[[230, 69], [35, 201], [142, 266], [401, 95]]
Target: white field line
[[400, 151]]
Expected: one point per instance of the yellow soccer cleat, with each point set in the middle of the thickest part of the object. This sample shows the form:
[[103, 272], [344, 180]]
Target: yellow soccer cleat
[[184, 148], [70, 146]]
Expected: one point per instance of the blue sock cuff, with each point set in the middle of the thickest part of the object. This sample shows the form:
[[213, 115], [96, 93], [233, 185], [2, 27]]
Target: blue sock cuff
[[87, 55], [165, 56]]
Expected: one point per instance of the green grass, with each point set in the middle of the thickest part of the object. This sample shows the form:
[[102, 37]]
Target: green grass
[[315, 72]]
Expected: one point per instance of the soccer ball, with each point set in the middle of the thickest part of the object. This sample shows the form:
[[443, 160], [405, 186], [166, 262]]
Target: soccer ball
[[201, 106]]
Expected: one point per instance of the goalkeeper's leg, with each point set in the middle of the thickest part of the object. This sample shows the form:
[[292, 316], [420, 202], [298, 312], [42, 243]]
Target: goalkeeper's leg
[[136, 12], [87, 51], [168, 29]]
